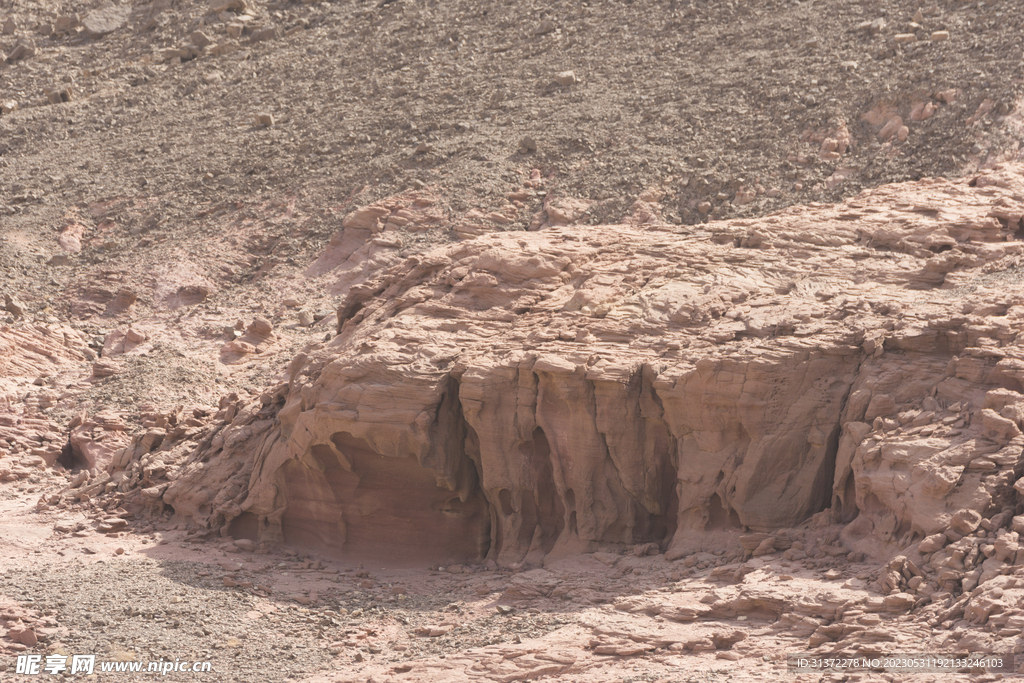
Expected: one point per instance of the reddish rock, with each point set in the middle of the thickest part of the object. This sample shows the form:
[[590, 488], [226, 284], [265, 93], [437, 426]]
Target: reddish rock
[[23, 634]]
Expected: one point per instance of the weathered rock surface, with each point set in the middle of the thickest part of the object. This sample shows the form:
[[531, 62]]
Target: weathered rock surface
[[522, 394], [33, 358], [99, 22]]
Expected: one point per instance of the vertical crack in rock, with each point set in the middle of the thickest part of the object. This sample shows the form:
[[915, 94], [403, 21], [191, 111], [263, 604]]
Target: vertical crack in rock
[[843, 496], [822, 486], [756, 434], [629, 421]]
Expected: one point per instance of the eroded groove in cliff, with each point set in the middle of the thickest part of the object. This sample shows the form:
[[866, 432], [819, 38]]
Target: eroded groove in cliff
[[344, 495], [823, 488], [490, 538], [720, 518], [845, 504], [823, 483], [550, 510]]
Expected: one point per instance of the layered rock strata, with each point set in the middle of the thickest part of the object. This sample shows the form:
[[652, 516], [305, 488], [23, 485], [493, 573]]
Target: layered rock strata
[[527, 393]]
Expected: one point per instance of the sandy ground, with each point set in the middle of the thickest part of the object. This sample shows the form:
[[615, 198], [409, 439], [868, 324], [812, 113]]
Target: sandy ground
[[154, 593]]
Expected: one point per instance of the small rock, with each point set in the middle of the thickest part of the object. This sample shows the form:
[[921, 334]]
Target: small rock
[[200, 39], [606, 558], [260, 327], [64, 23], [965, 521], [905, 38], [704, 207], [997, 427], [932, 543], [922, 112], [245, 544], [544, 27], [22, 50], [642, 549], [13, 306], [899, 602], [119, 551], [219, 6], [59, 96], [271, 32], [710, 598], [10, 27], [751, 541], [434, 631], [104, 20], [226, 48], [105, 368], [872, 27], [565, 78], [264, 120], [116, 522], [939, 36], [527, 144], [624, 649], [685, 615], [24, 635], [131, 335]]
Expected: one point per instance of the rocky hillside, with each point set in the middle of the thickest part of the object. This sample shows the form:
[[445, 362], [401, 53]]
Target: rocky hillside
[[179, 168], [136, 155]]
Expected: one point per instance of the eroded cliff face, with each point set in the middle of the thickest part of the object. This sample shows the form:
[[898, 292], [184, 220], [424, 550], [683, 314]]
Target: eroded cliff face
[[524, 394]]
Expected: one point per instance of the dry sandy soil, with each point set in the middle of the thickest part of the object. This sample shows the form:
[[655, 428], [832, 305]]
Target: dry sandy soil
[[277, 617], [173, 173], [152, 593]]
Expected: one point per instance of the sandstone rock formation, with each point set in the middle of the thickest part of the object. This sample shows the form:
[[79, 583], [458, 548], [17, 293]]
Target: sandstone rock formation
[[32, 358], [528, 394]]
